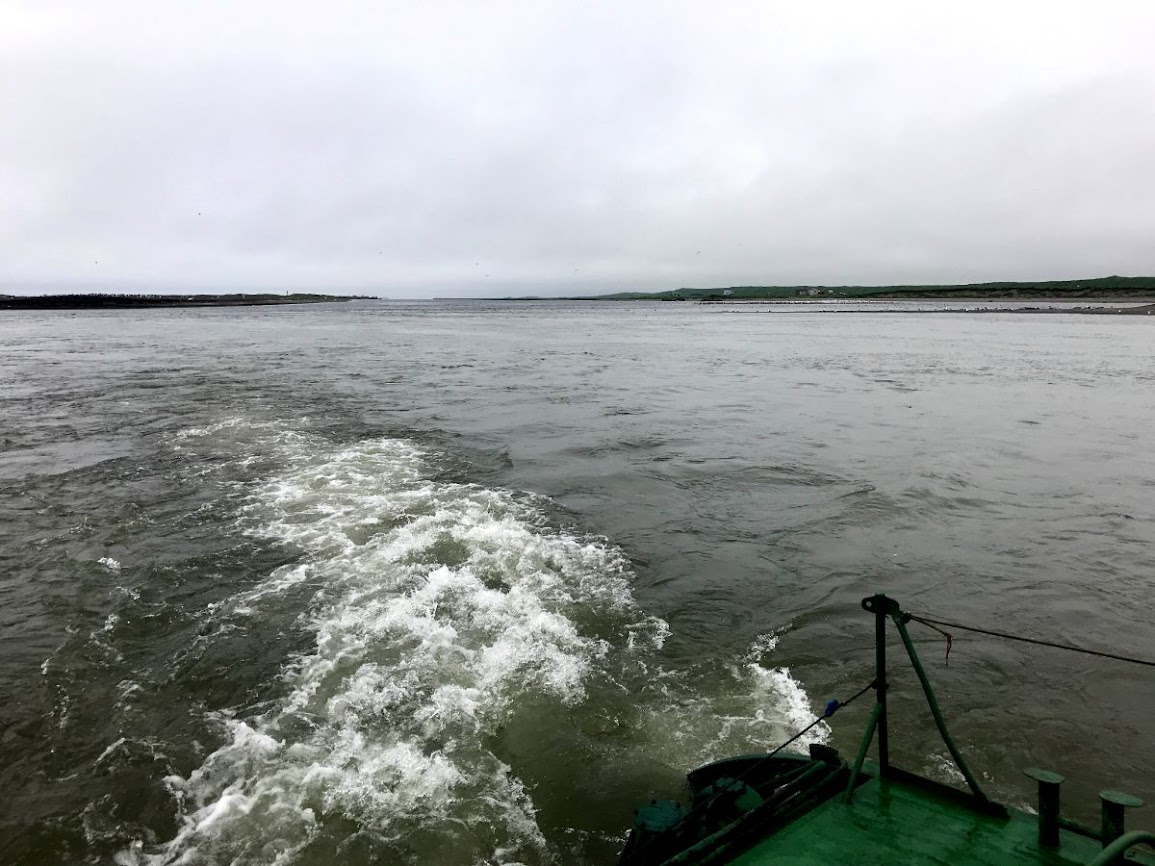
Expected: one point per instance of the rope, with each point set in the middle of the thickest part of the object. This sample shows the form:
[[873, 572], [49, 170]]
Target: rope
[[832, 707], [930, 622], [949, 637]]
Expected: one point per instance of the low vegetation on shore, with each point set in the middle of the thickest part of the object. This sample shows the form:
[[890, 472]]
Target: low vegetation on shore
[[1100, 288], [111, 301]]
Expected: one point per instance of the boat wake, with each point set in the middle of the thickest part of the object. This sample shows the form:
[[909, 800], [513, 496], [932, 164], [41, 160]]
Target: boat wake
[[446, 617]]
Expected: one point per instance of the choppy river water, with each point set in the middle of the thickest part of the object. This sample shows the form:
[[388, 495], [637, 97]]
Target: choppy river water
[[460, 583]]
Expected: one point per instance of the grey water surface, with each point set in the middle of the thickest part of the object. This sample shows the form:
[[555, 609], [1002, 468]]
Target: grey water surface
[[462, 582]]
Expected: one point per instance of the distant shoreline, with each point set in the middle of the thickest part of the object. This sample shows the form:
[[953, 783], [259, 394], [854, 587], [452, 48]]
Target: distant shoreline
[[134, 302], [1070, 307], [1112, 288]]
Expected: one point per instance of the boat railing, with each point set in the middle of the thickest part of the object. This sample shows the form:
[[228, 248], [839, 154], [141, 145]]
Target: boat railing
[[1111, 833], [1113, 852], [885, 608]]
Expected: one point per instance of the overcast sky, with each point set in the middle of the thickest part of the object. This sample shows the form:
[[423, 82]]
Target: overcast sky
[[410, 149]]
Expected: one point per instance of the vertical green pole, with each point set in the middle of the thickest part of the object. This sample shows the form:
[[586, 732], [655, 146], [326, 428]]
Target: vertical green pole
[[881, 609], [932, 702], [863, 746]]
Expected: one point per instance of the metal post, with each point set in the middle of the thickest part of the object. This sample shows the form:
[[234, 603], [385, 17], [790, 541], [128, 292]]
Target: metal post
[[858, 762], [1048, 805], [881, 610], [932, 702], [1113, 805]]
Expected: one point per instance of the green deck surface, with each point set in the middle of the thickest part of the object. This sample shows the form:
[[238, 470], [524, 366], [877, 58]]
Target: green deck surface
[[889, 823]]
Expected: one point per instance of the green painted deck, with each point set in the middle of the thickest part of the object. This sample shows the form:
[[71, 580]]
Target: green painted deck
[[890, 824]]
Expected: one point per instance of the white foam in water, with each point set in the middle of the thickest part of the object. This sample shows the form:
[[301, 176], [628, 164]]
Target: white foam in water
[[699, 717], [787, 696], [441, 609]]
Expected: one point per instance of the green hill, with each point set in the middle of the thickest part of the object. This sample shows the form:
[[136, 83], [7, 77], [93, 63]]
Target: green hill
[[1099, 287]]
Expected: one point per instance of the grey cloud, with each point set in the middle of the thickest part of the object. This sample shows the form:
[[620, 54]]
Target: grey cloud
[[571, 147]]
